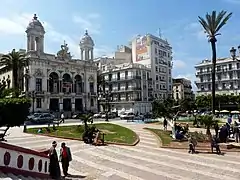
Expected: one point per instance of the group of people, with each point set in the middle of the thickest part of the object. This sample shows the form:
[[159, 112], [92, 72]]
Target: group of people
[[65, 157]]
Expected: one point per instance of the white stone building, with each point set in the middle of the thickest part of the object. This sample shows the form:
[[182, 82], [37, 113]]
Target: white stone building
[[129, 84], [227, 77], [58, 82], [182, 89], [156, 54]]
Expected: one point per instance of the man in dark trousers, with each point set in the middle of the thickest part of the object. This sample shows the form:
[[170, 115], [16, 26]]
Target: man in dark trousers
[[54, 168], [165, 124], [65, 158]]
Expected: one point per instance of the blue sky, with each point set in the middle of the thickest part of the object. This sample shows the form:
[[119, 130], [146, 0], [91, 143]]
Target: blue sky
[[115, 22]]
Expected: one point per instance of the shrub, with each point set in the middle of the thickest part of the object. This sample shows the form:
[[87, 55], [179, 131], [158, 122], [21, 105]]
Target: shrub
[[13, 111]]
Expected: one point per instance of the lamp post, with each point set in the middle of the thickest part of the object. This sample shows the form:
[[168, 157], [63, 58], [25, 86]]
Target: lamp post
[[233, 53]]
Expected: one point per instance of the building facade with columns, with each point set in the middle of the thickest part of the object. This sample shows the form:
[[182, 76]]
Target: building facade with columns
[[57, 82]]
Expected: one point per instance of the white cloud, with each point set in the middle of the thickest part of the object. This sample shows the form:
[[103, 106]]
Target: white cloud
[[178, 64], [16, 25], [196, 30], [90, 23]]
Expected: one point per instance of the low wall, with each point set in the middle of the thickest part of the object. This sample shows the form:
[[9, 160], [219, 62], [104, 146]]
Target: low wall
[[22, 161]]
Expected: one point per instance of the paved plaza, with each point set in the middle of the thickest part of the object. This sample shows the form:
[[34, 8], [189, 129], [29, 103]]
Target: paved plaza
[[145, 161]]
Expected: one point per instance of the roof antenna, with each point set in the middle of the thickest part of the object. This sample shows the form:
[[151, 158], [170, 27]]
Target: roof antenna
[[159, 33]]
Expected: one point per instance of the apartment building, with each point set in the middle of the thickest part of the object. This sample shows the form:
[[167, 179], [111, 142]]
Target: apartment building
[[227, 77], [130, 86], [156, 54], [182, 89]]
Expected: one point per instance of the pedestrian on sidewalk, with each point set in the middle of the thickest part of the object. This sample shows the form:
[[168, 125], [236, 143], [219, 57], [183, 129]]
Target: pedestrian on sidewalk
[[65, 158], [54, 167], [165, 124], [62, 117]]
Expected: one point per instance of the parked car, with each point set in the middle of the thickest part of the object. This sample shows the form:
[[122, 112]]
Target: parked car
[[110, 115], [43, 118], [34, 115], [98, 115], [127, 115]]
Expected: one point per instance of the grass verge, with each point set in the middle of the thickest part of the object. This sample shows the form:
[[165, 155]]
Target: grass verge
[[113, 133], [163, 135]]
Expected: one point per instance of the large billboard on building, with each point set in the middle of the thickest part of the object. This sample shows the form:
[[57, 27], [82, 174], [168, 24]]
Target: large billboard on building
[[142, 43]]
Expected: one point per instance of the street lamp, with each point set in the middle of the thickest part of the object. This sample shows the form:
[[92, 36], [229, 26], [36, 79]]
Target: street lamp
[[233, 53]]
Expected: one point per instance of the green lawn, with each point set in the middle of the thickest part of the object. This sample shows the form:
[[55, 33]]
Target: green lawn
[[113, 133], [163, 135]]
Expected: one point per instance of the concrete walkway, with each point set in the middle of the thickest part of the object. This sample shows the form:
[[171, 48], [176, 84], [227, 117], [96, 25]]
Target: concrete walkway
[[142, 162]]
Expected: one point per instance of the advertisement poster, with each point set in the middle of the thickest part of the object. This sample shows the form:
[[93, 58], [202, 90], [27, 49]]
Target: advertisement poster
[[142, 48]]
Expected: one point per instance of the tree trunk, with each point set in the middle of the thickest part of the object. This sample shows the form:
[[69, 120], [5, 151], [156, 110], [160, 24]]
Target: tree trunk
[[15, 78], [214, 58]]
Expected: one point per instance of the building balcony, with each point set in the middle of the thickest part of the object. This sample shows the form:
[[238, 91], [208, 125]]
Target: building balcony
[[150, 89], [150, 79], [126, 78]]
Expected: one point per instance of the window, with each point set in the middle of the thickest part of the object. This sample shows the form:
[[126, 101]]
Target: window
[[126, 87], [156, 60], [156, 51], [92, 102], [91, 87], [156, 77], [38, 84], [156, 69], [39, 102], [230, 66], [126, 74]]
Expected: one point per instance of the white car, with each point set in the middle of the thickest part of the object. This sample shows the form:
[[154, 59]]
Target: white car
[[98, 115], [127, 115]]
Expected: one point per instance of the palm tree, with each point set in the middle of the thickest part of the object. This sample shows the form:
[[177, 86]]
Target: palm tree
[[212, 24], [86, 118], [208, 121], [15, 61]]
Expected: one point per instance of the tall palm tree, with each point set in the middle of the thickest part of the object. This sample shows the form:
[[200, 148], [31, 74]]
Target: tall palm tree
[[15, 61], [212, 24]]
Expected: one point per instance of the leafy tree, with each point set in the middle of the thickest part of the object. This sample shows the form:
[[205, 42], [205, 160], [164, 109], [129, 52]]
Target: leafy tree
[[163, 108], [15, 61], [20, 107], [212, 24]]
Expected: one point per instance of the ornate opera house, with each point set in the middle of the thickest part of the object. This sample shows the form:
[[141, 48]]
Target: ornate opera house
[[58, 83]]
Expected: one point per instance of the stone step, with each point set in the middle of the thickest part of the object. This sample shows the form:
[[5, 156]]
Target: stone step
[[10, 176]]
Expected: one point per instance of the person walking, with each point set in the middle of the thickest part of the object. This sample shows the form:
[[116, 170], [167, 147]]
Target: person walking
[[65, 158], [62, 117], [165, 124], [54, 168]]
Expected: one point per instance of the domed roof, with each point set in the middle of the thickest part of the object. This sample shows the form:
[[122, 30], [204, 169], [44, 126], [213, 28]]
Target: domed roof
[[35, 24], [86, 40]]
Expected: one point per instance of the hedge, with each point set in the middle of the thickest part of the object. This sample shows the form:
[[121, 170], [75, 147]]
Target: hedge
[[13, 111]]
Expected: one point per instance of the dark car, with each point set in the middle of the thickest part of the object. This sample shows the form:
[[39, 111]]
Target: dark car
[[43, 118]]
